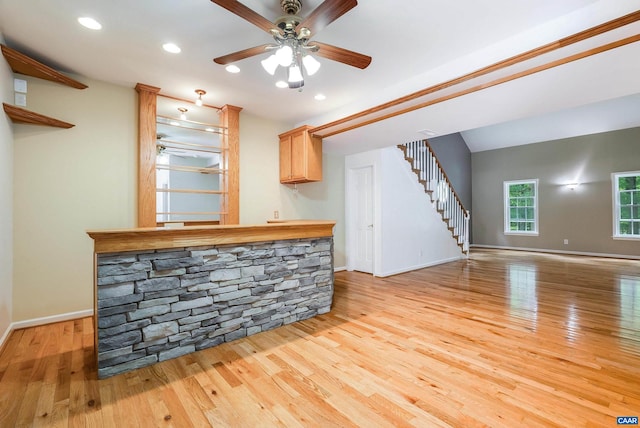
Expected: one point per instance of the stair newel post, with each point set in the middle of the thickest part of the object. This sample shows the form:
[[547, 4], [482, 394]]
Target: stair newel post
[[466, 234]]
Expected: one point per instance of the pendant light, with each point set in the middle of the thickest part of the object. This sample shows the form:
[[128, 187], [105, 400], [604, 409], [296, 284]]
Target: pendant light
[[200, 93]]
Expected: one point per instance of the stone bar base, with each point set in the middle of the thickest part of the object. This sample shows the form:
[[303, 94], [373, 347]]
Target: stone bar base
[[153, 305]]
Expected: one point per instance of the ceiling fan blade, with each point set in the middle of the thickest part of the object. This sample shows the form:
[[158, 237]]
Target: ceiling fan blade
[[344, 56], [326, 13], [237, 56], [245, 13]]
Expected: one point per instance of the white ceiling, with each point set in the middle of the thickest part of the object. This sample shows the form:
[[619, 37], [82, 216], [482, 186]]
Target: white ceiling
[[414, 44]]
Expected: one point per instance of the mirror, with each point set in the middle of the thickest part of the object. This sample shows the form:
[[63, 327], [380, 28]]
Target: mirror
[[190, 182]]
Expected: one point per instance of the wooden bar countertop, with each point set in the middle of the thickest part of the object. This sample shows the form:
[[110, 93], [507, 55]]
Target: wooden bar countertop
[[154, 238]]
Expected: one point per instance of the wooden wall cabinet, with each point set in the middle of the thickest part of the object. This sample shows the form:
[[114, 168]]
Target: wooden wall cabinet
[[300, 156]]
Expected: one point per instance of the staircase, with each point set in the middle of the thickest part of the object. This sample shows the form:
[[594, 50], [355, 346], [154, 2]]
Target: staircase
[[436, 184]]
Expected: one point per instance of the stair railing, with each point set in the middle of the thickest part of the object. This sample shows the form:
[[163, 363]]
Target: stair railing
[[437, 185]]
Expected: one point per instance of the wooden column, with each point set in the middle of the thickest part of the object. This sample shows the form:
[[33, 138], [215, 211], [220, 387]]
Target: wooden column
[[146, 155], [230, 119]]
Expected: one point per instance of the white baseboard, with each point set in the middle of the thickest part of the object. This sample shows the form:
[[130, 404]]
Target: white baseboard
[[421, 266], [51, 319], [339, 268], [42, 321], [5, 335], [543, 250]]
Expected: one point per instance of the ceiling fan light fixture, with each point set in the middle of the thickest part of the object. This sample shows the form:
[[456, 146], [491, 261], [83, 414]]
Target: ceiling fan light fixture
[[292, 35], [311, 65], [282, 84], [295, 74], [284, 55], [183, 113], [296, 85], [270, 64]]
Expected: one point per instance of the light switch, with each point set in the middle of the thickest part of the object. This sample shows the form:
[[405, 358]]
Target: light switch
[[20, 85]]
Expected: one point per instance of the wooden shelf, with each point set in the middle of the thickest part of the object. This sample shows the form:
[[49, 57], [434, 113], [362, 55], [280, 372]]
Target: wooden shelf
[[20, 115], [20, 63]]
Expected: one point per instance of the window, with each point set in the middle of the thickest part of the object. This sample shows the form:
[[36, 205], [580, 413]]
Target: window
[[521, 207], [626, 205]]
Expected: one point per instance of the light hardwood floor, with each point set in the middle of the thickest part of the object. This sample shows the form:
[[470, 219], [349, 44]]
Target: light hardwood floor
[[502, 339]]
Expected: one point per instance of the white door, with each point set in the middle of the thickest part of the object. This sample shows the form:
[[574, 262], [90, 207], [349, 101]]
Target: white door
[[363, 218]]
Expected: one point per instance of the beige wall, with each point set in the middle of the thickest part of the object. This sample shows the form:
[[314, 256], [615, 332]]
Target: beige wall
[[6, 201], [583, 216], [261, 192], [68, 181], [65, 182]]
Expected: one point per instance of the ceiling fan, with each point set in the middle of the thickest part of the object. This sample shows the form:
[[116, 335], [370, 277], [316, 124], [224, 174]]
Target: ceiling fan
[[292, 48]]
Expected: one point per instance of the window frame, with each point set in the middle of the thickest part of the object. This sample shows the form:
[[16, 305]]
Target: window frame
[[507, 212], [615, 194]]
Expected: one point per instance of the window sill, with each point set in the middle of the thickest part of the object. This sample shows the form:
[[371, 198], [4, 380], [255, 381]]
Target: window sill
[[626, 237], [522, 233]]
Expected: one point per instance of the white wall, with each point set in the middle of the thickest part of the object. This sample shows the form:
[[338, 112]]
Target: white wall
[[408, 231], [259, 163], [413, 233], [6, 202], [65, 182], [261, 192]]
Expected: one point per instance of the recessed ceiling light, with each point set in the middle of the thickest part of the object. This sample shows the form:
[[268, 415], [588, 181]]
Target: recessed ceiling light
[[90, 23], [171, 47], [232, 68], [427, 132], [282, 84], [209, 129], [320, 97]]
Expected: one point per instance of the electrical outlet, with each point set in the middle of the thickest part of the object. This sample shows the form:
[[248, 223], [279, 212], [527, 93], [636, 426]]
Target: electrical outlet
[[276, 214], [566, 242]]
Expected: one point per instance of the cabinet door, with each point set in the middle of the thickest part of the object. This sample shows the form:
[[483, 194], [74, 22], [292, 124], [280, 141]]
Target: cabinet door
[[298, 156], [285, 159]]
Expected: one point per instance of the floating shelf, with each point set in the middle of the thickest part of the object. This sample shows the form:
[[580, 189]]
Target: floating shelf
[[20, 63], [20, 115]]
